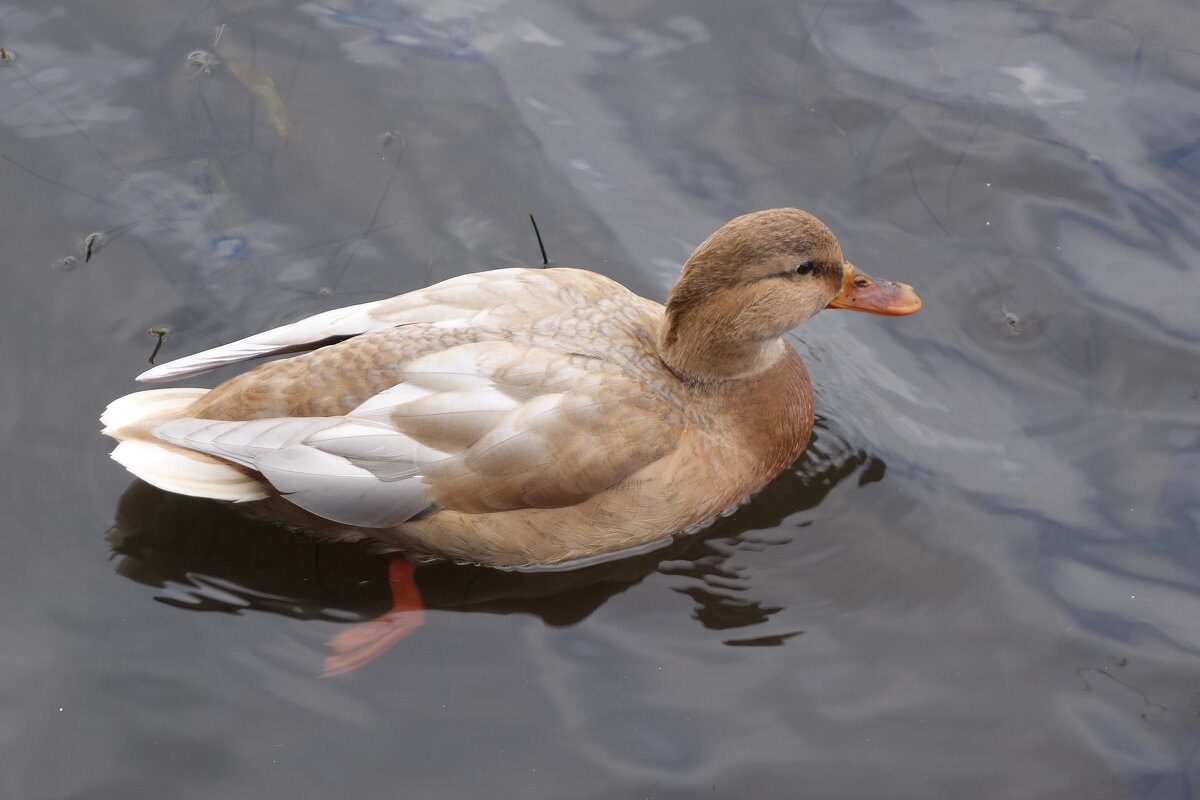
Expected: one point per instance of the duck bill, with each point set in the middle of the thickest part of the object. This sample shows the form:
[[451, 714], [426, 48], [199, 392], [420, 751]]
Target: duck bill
[[861, 292]]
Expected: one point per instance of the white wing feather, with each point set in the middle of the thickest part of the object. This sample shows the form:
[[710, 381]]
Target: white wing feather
[[241, 442], [354, 473], [340, 322], [455, 303], [359, 469], [331, 487]]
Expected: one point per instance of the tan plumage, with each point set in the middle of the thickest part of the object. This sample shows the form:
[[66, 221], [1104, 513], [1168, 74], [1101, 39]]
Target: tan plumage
[[519, 416]]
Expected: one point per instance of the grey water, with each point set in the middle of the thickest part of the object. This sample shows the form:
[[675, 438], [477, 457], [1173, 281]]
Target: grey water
[[982, 580]]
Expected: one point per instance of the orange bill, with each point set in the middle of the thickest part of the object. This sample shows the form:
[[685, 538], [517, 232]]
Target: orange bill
[[861, 292]]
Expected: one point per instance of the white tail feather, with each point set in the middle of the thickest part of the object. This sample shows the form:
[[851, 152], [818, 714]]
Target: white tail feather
[[194, 474], [164, 465], [142, 406]]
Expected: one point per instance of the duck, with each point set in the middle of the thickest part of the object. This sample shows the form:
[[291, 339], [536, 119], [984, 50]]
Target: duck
[[517, 417]]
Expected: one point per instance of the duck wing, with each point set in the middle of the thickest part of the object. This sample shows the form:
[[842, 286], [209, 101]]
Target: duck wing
[[496, 295], [478, 427]]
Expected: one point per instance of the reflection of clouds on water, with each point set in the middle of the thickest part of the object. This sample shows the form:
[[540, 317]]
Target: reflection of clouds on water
[[72, 89], [1137, 571], [554, 70], [56, 102], [459, 30], [674, 33], [1119, 593], [1069, 327], [183, 216], [1100, 716], [1036, 84], [453, 30]]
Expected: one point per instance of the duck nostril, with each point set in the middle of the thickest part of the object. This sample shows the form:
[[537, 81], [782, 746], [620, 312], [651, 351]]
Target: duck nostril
[[862, 281]]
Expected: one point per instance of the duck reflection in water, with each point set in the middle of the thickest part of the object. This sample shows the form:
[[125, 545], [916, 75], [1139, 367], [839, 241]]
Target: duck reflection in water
[[209, 557]]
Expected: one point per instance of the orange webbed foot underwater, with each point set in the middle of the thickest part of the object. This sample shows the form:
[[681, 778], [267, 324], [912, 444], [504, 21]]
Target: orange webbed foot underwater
[[366, 641]]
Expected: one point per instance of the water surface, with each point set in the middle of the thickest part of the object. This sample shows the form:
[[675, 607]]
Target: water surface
[[983, 579]]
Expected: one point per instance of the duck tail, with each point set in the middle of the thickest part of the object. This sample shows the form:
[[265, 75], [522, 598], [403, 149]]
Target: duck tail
[[130, 420], [142, 408]]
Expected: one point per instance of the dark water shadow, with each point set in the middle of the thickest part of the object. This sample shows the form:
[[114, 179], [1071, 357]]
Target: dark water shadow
[[206, 556]]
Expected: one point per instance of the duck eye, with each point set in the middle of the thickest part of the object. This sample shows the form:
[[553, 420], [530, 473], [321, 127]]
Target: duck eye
[[804, 268]]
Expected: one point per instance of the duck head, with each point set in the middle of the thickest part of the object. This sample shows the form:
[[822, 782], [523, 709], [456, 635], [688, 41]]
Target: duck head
[[755, 279]]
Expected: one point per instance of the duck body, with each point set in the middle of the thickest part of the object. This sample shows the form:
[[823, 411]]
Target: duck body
[[513, 417]]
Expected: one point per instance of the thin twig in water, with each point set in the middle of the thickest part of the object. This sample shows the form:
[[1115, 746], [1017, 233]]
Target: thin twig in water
[[81, 132], [53, 182], [538, 234], [371, 225], [912, 179]]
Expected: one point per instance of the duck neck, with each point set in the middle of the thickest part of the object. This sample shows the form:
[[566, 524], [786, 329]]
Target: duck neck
[[704, 342]]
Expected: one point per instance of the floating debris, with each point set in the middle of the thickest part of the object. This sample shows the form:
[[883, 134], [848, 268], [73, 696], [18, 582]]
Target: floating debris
[[161, 333], [203, 60], [1014, 323], [262, 87], [217, 38], [538, 234], [66, 263], [6, 56], [386, 140], [92, 245]]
